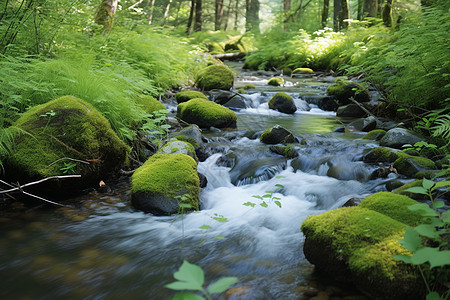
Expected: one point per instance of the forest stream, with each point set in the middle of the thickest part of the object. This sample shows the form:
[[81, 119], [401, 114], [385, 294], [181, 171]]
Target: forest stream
[[102, 248]]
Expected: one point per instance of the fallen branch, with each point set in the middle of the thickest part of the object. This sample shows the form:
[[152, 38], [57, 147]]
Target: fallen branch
[[362, 107], [68, 158]]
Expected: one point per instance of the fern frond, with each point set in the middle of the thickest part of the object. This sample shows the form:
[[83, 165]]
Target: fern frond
[[442, 128], [7, 139]]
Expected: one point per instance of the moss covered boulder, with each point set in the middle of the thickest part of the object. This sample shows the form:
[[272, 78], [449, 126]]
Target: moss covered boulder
[[163, 181], [375, 134], [283, 103], [275, 81], [215, 77], [64, 129], [277, 135], [149, 104], [357, 244], [288, 151], [343, 90], [205, 114], [411, 165], [188, 95], [178, 147], [302, 71], [381, 154]]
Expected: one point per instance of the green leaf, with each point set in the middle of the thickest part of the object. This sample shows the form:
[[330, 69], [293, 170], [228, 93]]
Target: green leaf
[[263, 204], [279, 177], [446, 217], [438, 204], [433, 296], [257, 197], [222, 284], [277, 203], [219, 237], [190, 274], [442, 258], [411, 240], [267, 196], [279, 185], [427, 184], [404, 258], [424, 209], [417, 190], [249, 204], [442, 183], [183, 285], [205, 227], [435, 257], [427, 230], [187, 296]]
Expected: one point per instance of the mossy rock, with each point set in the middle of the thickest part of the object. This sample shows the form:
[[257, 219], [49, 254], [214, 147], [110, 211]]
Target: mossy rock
[[277, 135], [164, 180], [376, 134], [402, 190], [149, 104], [215, 77], [276, 81], [287, 151], [410, 165], [283, 103], [356, 244], [188, 95], [249, 86], [287, 71], [302, 71], [343, 90], [205, 114], [66, 127], [380, 154], [191, 134], [178, 147], [394, 206]]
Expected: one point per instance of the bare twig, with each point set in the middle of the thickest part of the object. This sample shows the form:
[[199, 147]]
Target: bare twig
[[19, 188], [362, 107], [40, 198], [68, 158]]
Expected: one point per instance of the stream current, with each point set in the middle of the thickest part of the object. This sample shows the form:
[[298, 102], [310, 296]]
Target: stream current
[[105, 249]]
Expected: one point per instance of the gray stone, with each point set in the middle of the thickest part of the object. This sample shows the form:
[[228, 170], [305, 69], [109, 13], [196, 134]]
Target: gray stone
[[191, 132], [350, 111], [277, 135], [365, 124], [397, 137]]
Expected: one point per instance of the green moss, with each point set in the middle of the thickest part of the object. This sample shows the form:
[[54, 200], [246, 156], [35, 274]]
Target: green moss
[[188, 95], [394, 206], [283, 103], [188, 140], [206, 113], [287, 151], [169, 175], [150, 104], [344, 89], [402, 190], [66, 127], [177, 146], [409, 165], [215, 77], [275, 81], [381, 154], [376, 134], [303, 71]]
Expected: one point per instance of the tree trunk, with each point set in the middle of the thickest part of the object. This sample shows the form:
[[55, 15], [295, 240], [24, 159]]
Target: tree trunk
[[341, 12], [218, 16], [198, 15], [178, 12], [236, 16], [370, 8], [227, 16], [191, 18], [286, 9], [387, 13], [326, 6], [150, 14], [252, 16], [166, 12], [360, 10], [105, 14]]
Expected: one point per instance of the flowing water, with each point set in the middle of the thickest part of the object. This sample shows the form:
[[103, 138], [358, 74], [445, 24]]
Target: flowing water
[[103, 249]]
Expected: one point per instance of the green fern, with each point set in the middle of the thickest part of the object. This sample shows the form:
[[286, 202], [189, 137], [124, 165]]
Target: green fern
[[442, 128], [7, 140]]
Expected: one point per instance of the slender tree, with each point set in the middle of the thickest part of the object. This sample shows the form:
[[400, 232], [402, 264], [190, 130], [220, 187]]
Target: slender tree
[[150, 13], [387, 13], [191, 17], [326, 6], [218, 15], [252, 15], [236, 16], [198, 16], [341, 12], [227, 15], [370, 8]]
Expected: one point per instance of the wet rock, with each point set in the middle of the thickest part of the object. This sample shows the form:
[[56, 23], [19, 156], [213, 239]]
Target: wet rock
[[228, 99], [178, 147], [397, 137], [410, 165], [328, 103], [164, 180], [191, 134], [286, 151], [381, 154], [283, 103], [215, 77], [339, 129], [277, 135], [395, 184], [365, 124], [380, 173], [350, 111], [376, 134], [203, 180], [275, 81], [206, 114], [343, 90], [302, 71], [352, 202], [185, 96]]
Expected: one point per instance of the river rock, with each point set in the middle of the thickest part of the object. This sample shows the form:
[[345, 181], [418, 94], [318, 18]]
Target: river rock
[[357, 244], [350, 111], [175, 146], [188, 95], [365, 124], [397, 137], [191, 134], [163, 181], [283, 103], [376, 134], [275, 81], [328, 103], [206, 114], [277, 135], [215, 77], [228, 99], [343, 90], [411, 165], [381, 154], [65, 127]]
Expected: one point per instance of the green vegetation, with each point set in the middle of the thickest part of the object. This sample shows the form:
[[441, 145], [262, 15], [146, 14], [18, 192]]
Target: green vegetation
[[376, 134], [188, 95], [343, 90], [206, 113], [215, 77], [275, 81]]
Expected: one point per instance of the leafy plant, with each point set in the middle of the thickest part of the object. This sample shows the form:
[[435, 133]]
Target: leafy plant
[[191, 277], [421, 147], [268, 196], [69, 167], [426, 241], [7, 138]]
